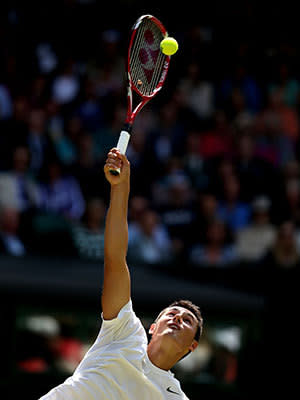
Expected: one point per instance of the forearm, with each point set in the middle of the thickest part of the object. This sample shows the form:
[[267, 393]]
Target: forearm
[[116, 227], [116, 282]]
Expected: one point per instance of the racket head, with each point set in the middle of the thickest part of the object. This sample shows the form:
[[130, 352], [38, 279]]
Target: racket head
[[147, 66]]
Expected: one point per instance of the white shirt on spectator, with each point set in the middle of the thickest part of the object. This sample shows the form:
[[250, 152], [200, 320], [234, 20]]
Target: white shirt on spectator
[[65, 89]]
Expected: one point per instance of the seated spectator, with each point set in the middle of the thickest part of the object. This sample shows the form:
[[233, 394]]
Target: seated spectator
[[149, 242], [17, 188], [292, 201], [14, 130], [256, 175], [246, 83], [240, 116], [198, 92], [107, 136], [193, 161], [273, 143], [65, 141], [230, 209], [6, 107], [168, 137], [288, 115], [66, 86], [218, 140], [90, 111], [176, 195], [284, 254], [61, 193], [205, 211], [88, 235], [37, 140], [256, 239], [216, 249], [10, 243], [137, 206], [87, 169], [287, 84]]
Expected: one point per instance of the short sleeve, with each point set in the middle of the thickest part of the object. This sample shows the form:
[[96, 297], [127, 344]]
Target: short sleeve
[[126, 329]]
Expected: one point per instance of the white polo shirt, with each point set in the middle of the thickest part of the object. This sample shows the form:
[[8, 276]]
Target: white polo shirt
[[117, 367]]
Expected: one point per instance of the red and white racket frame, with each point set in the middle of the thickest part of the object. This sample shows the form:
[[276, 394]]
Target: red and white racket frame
[[131, 87]]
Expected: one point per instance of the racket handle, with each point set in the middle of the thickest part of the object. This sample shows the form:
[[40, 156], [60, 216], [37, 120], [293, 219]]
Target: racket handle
[[122, 146]]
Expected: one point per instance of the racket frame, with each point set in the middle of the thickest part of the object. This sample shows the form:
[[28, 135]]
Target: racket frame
[[131, 88]]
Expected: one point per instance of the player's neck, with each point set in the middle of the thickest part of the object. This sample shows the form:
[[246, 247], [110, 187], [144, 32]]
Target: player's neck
[[162, 355]]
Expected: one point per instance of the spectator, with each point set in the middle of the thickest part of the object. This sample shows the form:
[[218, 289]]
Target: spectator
[[284, 254], [257, 176], [17, 187], [14, 130], [173, 198], [90, 110], [248, 86], [6, 107], [55, 121], [219, 171], [238, 113], [291, 203], [288, 116], [137, 206], [205, 211], [255, 240], [88, 235], [37, 140], [61, 193], [149, 242], [193, 162], [217, 141], [216, 249], [107, 136], [108, 71], [273, 143], [168, 138], [287, 84], [65, 86], [66, 143], [10, 243], [231, 210], [198, 92], [87, 168]]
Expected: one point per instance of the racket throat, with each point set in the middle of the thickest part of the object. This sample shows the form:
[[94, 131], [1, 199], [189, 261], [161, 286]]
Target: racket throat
[[127, 127]]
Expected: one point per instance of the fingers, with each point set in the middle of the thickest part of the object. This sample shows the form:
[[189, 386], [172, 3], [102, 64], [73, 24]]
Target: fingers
[[114, 159]]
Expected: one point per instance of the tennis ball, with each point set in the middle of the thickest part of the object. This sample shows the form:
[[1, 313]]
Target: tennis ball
[[169, 46]]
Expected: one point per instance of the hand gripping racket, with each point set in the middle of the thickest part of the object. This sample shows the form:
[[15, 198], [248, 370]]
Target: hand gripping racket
[[147, 69]]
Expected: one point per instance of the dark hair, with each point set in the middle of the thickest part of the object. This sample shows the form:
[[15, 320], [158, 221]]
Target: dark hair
[[191, 307]]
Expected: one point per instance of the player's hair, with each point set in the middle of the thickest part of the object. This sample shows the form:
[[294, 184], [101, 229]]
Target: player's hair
[[191, 307]]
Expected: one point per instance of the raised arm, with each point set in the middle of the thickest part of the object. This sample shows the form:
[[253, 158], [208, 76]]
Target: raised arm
[[116, 286]]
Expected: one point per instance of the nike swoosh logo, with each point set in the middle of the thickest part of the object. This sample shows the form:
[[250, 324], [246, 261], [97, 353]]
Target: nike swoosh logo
[[171, 391]]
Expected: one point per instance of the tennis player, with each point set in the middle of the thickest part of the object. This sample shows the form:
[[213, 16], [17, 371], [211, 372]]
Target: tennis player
[[121, 364]]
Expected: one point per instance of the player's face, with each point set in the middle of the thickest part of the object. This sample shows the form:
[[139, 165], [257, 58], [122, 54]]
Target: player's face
[[179, 324]]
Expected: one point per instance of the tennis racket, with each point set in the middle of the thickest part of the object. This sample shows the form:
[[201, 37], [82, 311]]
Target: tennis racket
[[147, 69]]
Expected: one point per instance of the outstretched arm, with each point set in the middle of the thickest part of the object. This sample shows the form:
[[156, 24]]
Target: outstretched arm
[[116, 286]]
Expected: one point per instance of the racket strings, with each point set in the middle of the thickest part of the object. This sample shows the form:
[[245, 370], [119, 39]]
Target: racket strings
[[134, 59], [146, 60], [138, 74]]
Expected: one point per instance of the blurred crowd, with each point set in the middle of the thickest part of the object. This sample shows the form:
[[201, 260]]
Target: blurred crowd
[[215, 156]]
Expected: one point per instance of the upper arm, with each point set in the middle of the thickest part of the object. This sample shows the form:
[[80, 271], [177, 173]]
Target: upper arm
[[116, 288]]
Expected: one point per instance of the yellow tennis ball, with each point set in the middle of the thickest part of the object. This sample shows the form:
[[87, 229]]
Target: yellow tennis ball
[[169, 46]]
